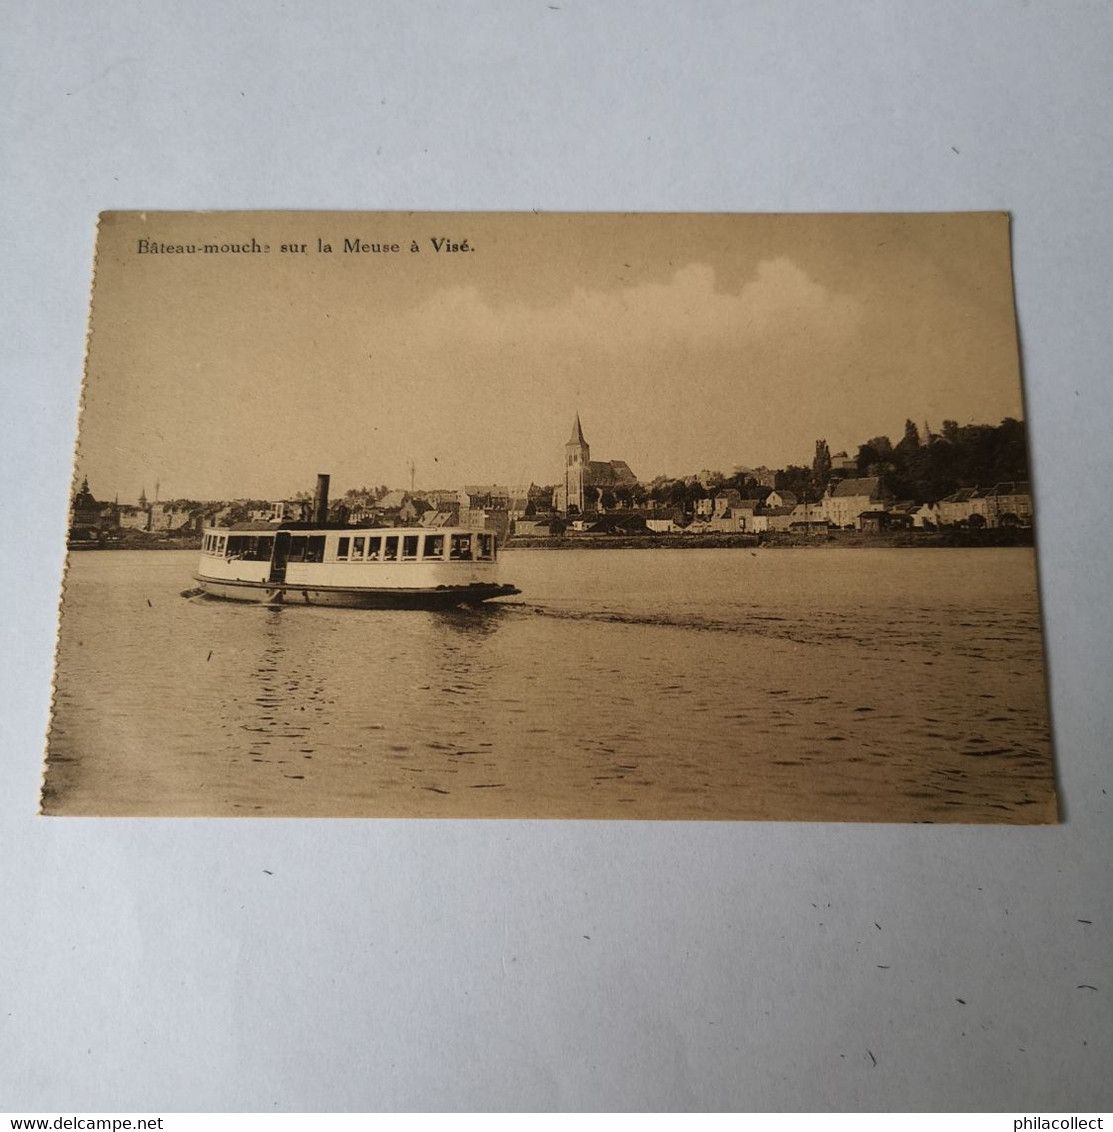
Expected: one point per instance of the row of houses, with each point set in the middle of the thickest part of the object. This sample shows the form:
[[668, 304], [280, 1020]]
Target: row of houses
[[478, 506], [728, 512], [854, 503], [94, 521], [1003, 505], [865, 503]]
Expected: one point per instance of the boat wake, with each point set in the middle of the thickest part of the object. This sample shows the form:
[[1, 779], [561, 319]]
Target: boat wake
[[623, 617], [920, 633]]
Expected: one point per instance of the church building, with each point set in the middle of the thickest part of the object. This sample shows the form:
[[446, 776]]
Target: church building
[[90, 521], [582, 473]]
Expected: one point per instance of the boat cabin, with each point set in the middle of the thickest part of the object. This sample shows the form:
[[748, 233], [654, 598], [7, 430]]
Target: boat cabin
[[385, 545]]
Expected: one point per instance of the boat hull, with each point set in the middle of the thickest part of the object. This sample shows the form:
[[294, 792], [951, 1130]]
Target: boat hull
[[269, 593]]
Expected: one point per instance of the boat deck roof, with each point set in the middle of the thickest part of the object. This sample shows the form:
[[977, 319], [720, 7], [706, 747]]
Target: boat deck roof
[[331, 528]]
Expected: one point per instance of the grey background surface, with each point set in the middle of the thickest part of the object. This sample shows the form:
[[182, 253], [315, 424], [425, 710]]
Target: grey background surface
[[393, 965]]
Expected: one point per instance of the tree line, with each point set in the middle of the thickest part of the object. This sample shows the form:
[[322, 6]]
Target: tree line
[[925, 467]]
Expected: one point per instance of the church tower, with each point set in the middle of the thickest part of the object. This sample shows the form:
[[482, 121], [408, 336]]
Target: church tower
[[577, 457], [84, 500]]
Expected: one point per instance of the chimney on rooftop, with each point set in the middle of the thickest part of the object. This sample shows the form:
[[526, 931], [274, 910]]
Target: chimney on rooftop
[[320, 501]]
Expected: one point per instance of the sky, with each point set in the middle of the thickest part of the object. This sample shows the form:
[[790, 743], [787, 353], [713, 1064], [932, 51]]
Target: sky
[[683, 341]]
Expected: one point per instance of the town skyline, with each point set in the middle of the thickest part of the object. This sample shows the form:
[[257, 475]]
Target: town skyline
[[158, 492]]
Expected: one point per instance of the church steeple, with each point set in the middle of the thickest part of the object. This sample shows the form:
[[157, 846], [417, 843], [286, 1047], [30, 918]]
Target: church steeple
[[84, 497], [577, 459]]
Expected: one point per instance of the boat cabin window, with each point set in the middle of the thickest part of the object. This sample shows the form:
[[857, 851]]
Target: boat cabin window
[[390, 553], [460, 548], [306, 548], [250, 548], [342, 548], [486, 546], [357, 549], [409, 546], [434, 546], [374, 546]]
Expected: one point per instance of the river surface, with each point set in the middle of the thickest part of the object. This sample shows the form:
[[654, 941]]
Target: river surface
[[807, 684]]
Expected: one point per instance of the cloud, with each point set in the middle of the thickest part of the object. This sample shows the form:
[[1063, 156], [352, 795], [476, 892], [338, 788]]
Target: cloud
[[687, 311], [674, 372]]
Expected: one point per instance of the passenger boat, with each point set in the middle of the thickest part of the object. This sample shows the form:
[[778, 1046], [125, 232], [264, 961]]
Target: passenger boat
[[357, 567]]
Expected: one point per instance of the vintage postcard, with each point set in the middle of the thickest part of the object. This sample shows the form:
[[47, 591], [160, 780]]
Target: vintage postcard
[[552, 516]]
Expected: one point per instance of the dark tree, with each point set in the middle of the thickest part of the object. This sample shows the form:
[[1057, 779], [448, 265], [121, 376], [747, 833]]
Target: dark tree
[[1010, 456], [676, 493], [869, 460], [966, 456], [821, 465], [694, 492], [798, 480], [911, 438], [875, 457]]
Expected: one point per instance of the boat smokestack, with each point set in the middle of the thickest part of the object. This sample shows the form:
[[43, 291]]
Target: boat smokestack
[[320, 502]]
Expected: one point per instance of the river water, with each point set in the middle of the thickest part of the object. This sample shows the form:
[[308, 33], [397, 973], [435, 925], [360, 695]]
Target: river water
[[808, 683]]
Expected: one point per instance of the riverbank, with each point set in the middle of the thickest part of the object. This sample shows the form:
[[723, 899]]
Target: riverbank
[[632, 542], [141, 542], [949, 537], [773, 540]]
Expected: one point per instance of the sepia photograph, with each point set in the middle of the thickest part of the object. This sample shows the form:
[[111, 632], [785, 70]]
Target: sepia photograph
[[581, 516]]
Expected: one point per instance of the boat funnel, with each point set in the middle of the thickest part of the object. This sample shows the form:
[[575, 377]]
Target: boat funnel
[[320, 502]]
